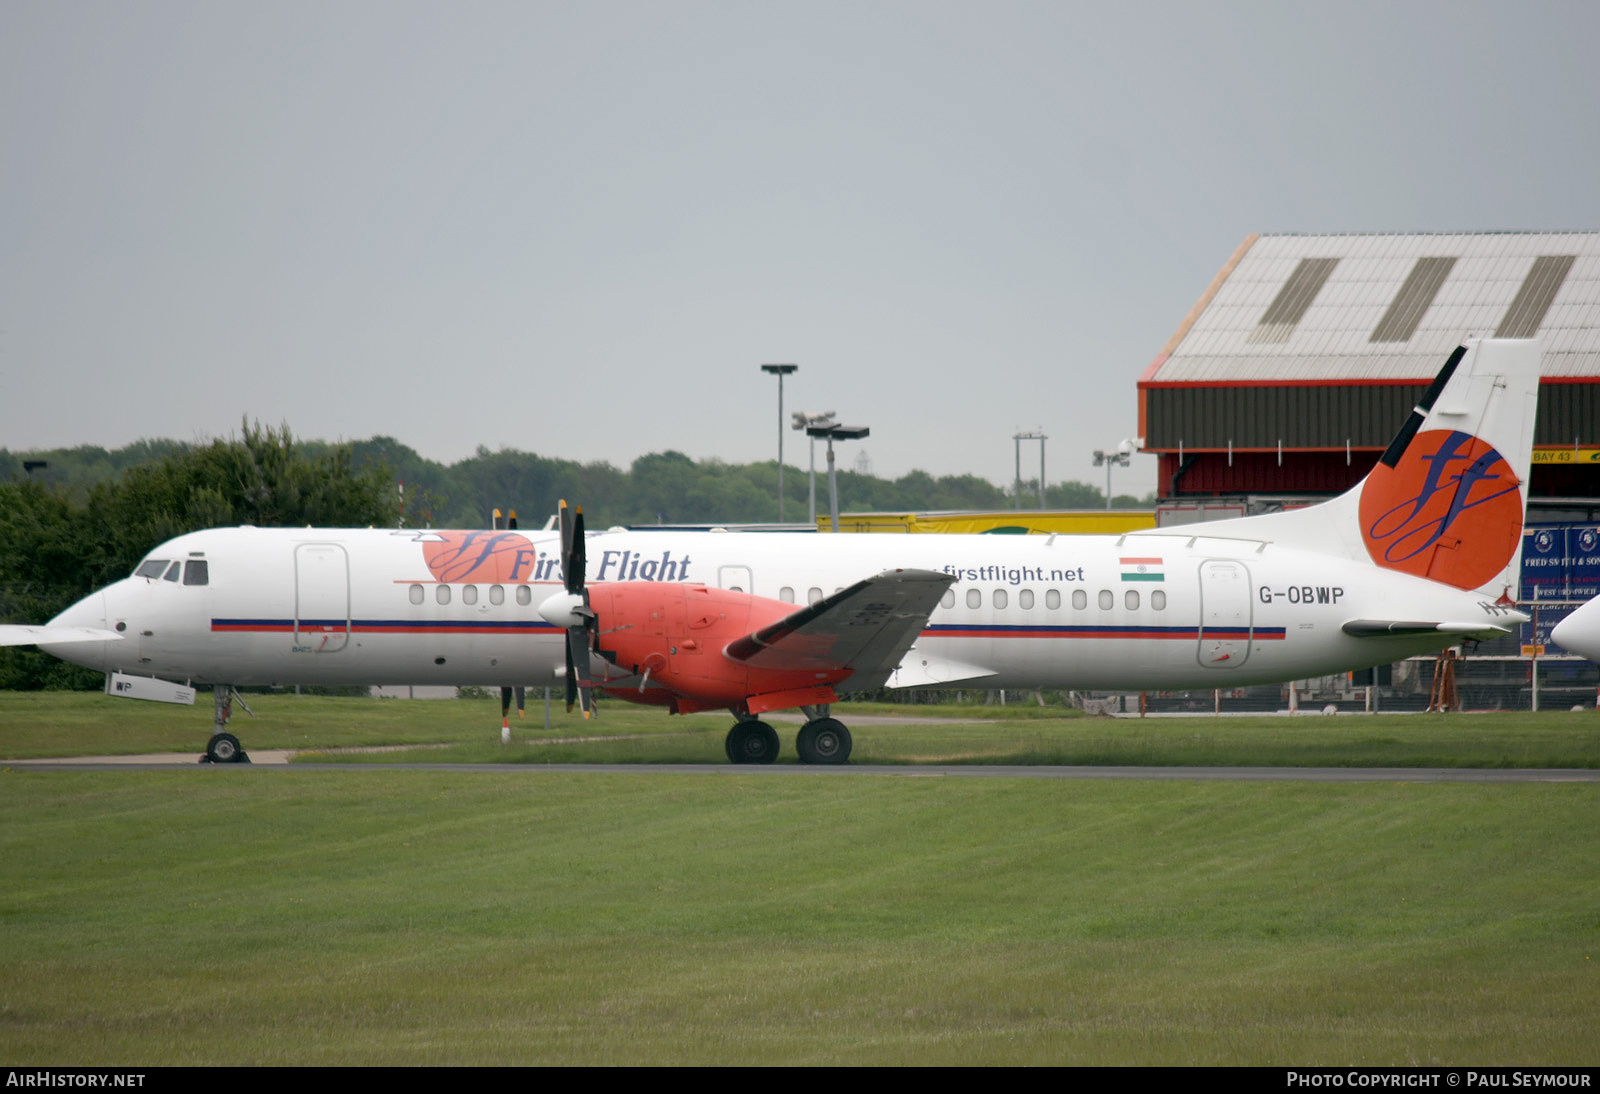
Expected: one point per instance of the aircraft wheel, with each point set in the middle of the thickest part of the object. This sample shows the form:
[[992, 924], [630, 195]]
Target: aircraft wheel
[[752, 743], [224, 748], [824, 741]]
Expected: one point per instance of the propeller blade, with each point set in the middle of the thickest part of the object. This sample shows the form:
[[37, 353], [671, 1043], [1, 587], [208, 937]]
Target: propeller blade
[[581, 638], [578, 683], [572, 550], [572, 674]]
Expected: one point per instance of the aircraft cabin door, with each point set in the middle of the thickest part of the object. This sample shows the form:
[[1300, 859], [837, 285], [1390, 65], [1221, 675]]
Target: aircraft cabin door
[[736, 578], [321, 597], [1225, 617]]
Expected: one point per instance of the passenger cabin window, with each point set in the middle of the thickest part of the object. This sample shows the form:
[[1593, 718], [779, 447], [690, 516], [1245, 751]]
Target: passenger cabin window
[[1158, 600], [442, 594], [974, 598], [196, 572], [1052, 599], [1131, 599], [786, 594], [151, 568], [948, 600], [813, 595], [416, 594], [1000, 598], [497, 594], [1080, 599], [524, 595], [469, 594], [1108, 600], [1025, 600]]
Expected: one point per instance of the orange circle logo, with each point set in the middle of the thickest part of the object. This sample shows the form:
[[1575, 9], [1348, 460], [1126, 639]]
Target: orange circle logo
[[1449, 510], [479, 557]]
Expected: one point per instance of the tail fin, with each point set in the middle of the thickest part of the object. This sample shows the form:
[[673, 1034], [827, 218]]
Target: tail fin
[[1447, 498]]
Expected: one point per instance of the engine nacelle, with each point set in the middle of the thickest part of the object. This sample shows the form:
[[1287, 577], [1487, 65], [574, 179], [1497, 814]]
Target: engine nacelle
[[672, 637], [562, 610]]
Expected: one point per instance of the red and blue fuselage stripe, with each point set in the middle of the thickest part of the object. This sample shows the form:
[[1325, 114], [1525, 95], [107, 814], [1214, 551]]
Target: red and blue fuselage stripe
[[384, 626], [937, 630], [1045, 630]]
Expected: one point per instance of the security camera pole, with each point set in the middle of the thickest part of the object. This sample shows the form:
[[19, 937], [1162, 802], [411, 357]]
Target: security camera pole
[[1117, 457]]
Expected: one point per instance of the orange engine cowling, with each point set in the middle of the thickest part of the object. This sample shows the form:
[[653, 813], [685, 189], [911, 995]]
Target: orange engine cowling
[[671, 638]]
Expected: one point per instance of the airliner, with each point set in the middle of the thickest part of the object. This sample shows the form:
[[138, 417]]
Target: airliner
[[1421, 554], [1580, 631]]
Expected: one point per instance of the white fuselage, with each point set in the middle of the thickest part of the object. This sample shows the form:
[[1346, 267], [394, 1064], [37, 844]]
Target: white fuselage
[[365, 606]]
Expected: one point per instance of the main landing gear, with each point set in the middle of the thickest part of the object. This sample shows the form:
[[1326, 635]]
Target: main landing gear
[[822, 740], [224, 747], [752, 742]]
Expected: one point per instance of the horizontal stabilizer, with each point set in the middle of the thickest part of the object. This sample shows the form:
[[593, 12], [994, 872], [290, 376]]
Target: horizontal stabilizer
[[1398, 628], [23, 634], [868, 627]]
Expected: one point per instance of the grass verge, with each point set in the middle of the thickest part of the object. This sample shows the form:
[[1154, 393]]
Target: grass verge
[[42, 724], [232, 916]]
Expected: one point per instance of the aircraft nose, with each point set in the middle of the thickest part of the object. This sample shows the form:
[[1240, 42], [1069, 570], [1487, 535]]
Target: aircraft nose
[[1579, 632]]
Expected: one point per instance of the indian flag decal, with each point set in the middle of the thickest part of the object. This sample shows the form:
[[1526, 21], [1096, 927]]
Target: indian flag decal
[[1141, 569]]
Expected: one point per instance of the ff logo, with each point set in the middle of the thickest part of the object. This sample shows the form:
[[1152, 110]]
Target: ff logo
[[1450, 510], [479, 556]]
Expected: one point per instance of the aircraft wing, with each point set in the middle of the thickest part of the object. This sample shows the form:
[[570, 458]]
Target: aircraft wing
[[867, 627], [23, 634], [1393, 628]]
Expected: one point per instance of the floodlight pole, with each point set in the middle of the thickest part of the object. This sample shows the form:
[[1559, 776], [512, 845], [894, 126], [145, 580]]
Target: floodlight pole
[[804, 420], [780, 371], [1037, 435], [844, 433]]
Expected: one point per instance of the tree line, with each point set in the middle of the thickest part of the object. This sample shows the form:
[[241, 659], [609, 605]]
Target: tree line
[[90, 516], [658, 488]]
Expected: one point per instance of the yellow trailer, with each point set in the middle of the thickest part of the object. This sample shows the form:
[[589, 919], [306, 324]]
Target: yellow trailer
[[1000, 522]]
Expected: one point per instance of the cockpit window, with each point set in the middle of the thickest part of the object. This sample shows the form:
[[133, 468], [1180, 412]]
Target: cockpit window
[[196, 572], [172, 572], [151, 568]]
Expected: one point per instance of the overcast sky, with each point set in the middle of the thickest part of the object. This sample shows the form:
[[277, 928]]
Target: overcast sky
[[579, 228]]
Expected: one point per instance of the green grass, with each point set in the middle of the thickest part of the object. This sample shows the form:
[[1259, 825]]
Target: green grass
[[555, 917], [41, 724], [297, 915]]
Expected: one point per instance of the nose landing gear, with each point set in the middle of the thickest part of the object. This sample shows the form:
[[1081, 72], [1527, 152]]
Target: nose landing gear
[[224, 747]]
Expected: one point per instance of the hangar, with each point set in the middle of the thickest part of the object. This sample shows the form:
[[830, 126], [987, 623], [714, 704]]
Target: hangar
[[1284, 382], [1287, 377]]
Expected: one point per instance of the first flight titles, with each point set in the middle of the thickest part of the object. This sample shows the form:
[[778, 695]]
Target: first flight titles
[[1013, 575]]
